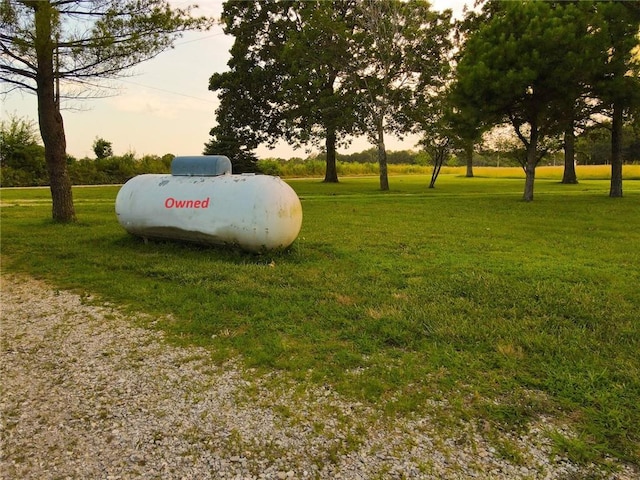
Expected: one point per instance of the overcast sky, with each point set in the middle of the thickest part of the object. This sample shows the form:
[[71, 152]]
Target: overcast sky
[[164, 106]]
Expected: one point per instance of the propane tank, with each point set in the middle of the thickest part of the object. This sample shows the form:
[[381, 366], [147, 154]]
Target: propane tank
[[254, 212]]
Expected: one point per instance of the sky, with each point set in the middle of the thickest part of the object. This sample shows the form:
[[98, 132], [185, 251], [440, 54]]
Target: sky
[[163, 105]]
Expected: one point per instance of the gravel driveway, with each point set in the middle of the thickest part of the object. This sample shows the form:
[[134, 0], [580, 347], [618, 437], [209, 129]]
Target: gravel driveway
[[87, 396]]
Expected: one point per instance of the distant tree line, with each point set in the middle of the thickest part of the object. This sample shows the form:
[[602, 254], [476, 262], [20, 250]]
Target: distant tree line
[[23, 164], [22, 160]]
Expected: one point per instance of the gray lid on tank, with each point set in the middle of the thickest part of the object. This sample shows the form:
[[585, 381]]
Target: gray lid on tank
[[201, 166]]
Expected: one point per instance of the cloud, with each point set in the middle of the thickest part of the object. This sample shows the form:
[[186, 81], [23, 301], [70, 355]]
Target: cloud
[[159, 103]]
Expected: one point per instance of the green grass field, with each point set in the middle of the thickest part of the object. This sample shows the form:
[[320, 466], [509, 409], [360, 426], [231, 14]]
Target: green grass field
[[461, 299]]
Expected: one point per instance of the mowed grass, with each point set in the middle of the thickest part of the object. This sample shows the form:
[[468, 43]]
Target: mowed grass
[[461, 301], [583, 172]]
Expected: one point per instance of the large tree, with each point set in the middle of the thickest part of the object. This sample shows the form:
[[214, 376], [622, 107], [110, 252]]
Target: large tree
[[46, 43], [320, 103], [616, 30], [399, 62], [517, 67], [285, 74], [605, 76], [578, 104]]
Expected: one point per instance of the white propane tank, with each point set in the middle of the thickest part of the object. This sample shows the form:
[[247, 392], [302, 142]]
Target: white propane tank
[[254, 212]]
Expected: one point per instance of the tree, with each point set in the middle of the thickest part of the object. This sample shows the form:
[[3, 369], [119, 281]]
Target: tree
[[247, 90], [310, 71], [578, 106], [320, 103], [21, 154], [514, 68], [467, 123], [225, 142], [616, 26], [285, 71], [593, 146], [399, 61], [438, 147], [102, 148], [46, 43], [463, 126], [437, 133]]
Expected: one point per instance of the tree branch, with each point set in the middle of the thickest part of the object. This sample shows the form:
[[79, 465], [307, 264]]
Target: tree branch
[[18, 85], [7, 51]]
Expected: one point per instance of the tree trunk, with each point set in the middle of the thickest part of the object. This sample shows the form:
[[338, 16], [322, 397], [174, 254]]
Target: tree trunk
[[468, 153], [382, 158], [569, 175], [331, 172], [50, 120], [530, 172], [530, 165], [616, 152], [438, 160]]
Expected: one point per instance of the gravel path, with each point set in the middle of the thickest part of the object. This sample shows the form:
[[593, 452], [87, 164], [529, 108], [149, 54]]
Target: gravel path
[[87, 396]]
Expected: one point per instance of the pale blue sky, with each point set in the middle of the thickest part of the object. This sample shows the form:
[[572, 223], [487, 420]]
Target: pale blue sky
[[165, 106]]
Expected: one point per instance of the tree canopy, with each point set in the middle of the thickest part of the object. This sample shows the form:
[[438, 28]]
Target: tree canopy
[[529, 63], [102, 148], [284, 78], [88, 40]]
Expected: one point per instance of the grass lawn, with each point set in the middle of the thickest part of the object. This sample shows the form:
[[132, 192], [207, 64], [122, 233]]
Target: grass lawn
[[461, 298]]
